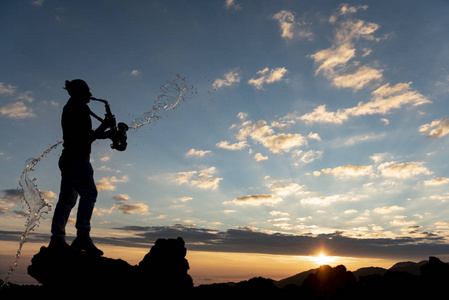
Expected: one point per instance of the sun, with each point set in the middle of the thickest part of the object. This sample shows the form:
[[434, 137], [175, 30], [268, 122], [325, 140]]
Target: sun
[[322, 259]]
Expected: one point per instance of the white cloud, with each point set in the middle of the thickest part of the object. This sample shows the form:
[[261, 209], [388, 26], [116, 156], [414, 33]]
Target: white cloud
[[202, 179], [349, 171], [135, 73], [321, 115], [437, 129], [378, 157], [231, 4], [307, 157], [259, 157], [290, 28], [233, 147], [17, 110], [345, 9], [256, 200], [436, 181], [359, 79], [363, 138], [383, 100], [230, 78], [264, 134], [328, 200], [199, 153], [185, 199], [288, 189], [267, 76], [388, 209], [403, 170], [107, 183], [314, 136], [333, 62]]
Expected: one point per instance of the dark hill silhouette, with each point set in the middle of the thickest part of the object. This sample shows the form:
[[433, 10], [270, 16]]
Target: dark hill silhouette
[[163, 268], [369, 271], [408, 267], [297, 279], [80, 274]]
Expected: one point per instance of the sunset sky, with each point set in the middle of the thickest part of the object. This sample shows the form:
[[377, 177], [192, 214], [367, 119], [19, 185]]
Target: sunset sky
[[312, 126]]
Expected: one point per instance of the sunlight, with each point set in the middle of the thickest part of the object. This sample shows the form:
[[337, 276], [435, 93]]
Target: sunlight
[[322, 259]]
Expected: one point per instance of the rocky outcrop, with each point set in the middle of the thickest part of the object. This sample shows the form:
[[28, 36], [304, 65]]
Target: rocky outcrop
[[163, 268]]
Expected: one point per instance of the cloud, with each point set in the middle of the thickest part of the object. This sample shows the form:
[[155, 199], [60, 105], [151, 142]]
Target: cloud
[[436, 181], [388, 209], [17, 110], [233, 147], [403, 170], [252, 240], [288, 189], [128, 209], [345, 9], [259, 157], [290, 28], [107, 183], [321, 115], [121, 198], [349, 171], [256, 200], [383, 100], [185, 199], [12, 195], [359, 79], [333, 62], [135, 73], [7, 89], [199, 153], [437, 129], [37, 2], [307, 157], [262, 133], [363, 138], [328, 200], [267, 76], [202, 179], [232, 5], [230, 78]]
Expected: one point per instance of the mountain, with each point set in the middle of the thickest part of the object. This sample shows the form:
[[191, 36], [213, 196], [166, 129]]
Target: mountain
[[408, 267], [413, 268], [297, 279], [369, 271]]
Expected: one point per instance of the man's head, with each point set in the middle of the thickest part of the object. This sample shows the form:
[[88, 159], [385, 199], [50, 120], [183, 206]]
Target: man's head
[[78, 89]]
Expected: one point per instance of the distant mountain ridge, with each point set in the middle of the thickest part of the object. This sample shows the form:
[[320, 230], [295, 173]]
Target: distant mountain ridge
[[413, 268]]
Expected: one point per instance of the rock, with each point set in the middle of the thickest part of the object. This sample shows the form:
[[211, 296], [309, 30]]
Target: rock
[[65, 270]]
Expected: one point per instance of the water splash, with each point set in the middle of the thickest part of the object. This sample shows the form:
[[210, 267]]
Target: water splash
[[172, 92], [36, 204]]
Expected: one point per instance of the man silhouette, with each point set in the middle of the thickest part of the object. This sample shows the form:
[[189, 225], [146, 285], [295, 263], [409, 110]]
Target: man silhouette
[[76, 170]]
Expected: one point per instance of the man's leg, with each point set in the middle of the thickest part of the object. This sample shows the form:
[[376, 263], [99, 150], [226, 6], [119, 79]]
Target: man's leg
[[66, 201], [85, 186], [87, 190]]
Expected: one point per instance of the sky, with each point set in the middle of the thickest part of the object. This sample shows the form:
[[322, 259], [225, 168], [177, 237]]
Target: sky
[[311, 127]]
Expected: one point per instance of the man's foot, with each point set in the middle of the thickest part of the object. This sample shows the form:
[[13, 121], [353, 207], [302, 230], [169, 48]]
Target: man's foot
[[85, 244], [59, 245]]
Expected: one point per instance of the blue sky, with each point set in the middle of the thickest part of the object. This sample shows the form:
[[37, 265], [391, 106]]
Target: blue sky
[[311, 121]]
